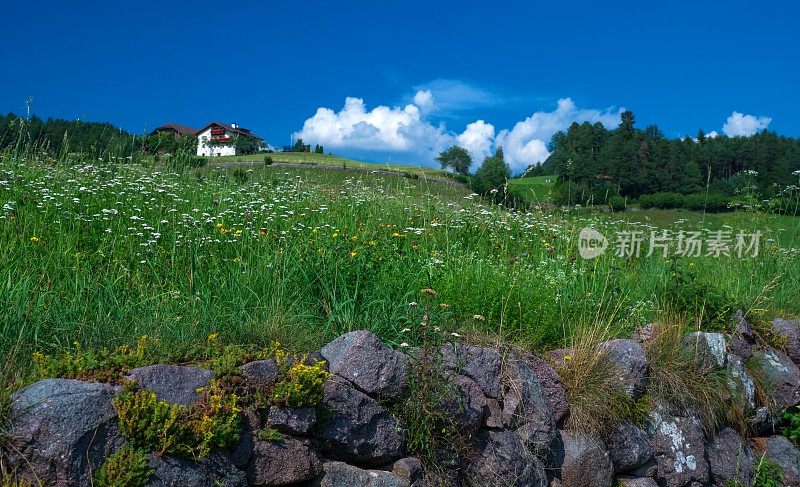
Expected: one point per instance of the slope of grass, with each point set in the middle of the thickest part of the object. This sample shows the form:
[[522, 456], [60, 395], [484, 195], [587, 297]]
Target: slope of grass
[[535, 189], [101, 254], [330, 160]]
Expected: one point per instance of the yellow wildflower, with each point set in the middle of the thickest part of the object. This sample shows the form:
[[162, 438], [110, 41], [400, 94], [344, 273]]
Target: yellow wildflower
[[35, 239]]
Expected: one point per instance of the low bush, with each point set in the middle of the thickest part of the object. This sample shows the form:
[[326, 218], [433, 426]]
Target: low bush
[[147, 422], [711, 202], [301, 385], [691, 294], [617, 203], [127, 467], [268, 160]]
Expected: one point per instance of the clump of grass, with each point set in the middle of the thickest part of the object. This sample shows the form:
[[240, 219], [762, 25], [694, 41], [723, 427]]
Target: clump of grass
[[681, 381], [270, 434], [9, 480], [767, 473], [689, 292], [147, 422], [127, 467], [597, 400]]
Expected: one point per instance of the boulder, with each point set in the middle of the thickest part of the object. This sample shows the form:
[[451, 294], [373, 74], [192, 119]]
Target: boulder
[[630, 364], [789, 331], [62, 429], [409, 468], [553, 389], [479, 364], [371, 366], [679, 448], [586, 462], [359, 429], [262, 373], [339, 474], [283, 462], [291, 421], [730, 459], [742, 381], [636, 482], [213, 470], [781, 451], [466, 403], [742, 341], [629, 446], [710, 348], [780, 375], [525, 409], [502, 459], [174, 384]]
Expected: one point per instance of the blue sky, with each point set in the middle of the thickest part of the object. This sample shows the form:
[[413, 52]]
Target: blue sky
[[473, 73]]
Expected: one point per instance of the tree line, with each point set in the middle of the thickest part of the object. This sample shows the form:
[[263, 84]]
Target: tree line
[[594, 164]]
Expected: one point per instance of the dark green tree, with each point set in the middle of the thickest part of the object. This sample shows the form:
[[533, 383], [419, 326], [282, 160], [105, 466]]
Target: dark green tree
[[457, 158]]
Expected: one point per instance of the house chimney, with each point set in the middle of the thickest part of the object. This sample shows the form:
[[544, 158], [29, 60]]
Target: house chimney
[[233, 125]]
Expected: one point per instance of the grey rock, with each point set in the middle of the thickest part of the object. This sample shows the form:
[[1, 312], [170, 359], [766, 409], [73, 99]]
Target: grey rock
[[494, 414], [629, 447], [742, 342], [174, 384], [409, 468], [730, 459], [479, 364], [781, 451], [636, 482], [710, 347], [502, 459], [263, 373], [61, 429], [789, 330], [283, 462], [679, 448], [742, 381], [525, 409], [553, 389], [630, 363], [291, 421], [359, 429], [182, 472], [586, 462], [780, 375], [466, 404], [765, 422], [339, 474], [362, 359], [241, 453]]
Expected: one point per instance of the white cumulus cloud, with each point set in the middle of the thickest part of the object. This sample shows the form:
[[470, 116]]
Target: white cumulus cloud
[[407, 134], [526, 143], [744, 125]]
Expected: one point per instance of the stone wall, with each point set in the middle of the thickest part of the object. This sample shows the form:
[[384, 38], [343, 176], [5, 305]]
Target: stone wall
[[511, 409]]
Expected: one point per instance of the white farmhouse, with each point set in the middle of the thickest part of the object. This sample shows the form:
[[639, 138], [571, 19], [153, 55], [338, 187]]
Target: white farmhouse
[[218, 139]]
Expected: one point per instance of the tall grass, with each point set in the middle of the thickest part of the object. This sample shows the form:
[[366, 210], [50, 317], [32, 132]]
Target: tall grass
[[102, 252]]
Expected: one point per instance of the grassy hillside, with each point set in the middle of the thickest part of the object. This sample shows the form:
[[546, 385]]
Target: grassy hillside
[[534, 189], [103, 254], [330, 160]]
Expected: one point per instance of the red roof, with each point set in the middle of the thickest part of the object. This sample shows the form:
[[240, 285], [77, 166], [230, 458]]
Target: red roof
[[237, 130], [181, 129]]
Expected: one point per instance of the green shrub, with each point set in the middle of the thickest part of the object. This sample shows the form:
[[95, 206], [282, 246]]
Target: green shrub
[[617, 203], [792, 430], [689, 293], [103, 365], [270, 434], [127, 467], [150, 423], [301, 384], [240, 175], [768, 474], [268, 160]]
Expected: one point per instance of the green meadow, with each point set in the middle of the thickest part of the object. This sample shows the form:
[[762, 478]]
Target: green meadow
[[101, 254]]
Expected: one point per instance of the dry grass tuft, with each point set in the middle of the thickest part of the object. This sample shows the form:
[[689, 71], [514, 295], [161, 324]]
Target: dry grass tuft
[[681, 382], [597, 401]]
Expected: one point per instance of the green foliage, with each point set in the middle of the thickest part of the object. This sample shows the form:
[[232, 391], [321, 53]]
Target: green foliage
[[147, 422], [268, 160], [103, 365], [768, 473], [457, 158], [617, 203], [491, 177], [240, 175], [689, 292], [791, 417], [300, 385], [127, 467], [270, 434], [711, 202]]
